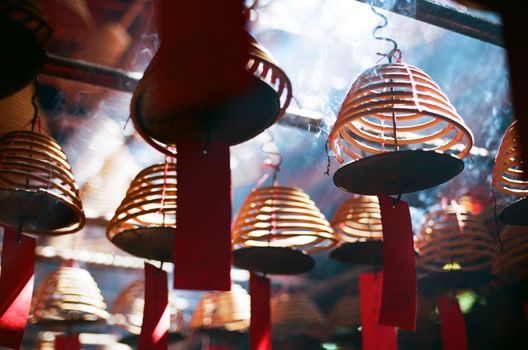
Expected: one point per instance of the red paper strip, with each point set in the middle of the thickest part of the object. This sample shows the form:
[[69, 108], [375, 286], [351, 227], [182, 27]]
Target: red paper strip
[[156, 312], [374, 335], [67, 342], [16, 286], [260, 326], [202, 244], [398, 306], [452, 324]]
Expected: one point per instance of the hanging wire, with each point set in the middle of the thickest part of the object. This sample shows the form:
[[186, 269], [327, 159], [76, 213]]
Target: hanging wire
[[35, 106], [328, 160], [395, 51], [496, 219]]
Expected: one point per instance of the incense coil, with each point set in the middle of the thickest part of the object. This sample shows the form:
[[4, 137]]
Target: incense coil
[[296, 314], [229, 311], [263, 65], [424, 117], [511, 263], [358, 219], [127, 311], [508, 174], [37, 188], [149, 210], [454, 239], [280, 216], [68, 295], [345, 315]]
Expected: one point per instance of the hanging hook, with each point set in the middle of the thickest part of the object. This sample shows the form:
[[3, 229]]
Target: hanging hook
[[35, 107], [395, 49]]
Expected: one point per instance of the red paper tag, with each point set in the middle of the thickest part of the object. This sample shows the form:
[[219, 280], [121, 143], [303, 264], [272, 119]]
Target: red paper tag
[[260, 326], [67, 342], [16, 286], [202, 244], [398, 306], [374, 335], [452, 323], [156, 312]]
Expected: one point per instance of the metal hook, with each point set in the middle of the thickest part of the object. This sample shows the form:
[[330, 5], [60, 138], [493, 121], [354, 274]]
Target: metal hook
[[396, 200], [394, 50], [35, 107]]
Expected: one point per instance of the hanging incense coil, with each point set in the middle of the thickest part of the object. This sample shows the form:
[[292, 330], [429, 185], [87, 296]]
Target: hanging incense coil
[[455, 250], [295, 314], [509, 177], [145, 222], [345, 316], [68, 296], [511, 264], [276, 227], [38, 193], [234, 121], [222, 311], [396, 123], [127, 311], [357, 223], [23, 33]]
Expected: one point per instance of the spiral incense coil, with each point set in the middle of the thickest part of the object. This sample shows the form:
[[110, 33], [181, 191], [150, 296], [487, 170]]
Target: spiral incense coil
[[512, 262], [454, 239], [229, 311], [358, 219], [127, 311], [263, 65], [345, 315], [394, 107], [68, 296], [296, 314], [38, 192], [508, 174], [280, 216], [145, 222]]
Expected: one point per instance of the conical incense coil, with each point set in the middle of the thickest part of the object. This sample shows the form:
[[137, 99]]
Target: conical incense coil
[[127, 311], [358, 219], [229, 311], [38, 192], [145, 222], [280, 216], [511, 263], [508, 174], [23, 34], [68, 296], [454, 239], [296, 314], [397, 107], [345, 315]]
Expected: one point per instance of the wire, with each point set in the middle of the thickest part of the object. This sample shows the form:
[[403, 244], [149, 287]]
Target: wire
[[35, 106], [496, 219]]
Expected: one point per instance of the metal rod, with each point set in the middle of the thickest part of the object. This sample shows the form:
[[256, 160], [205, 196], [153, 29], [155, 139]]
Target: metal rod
[[449, 18]]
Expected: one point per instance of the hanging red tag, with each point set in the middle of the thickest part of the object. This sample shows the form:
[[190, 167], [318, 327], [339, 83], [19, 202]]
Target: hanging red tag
[[156, 312], [452, 324], [374, 335], [202, 244], [260, 326], [398, 306], [67, 342], [16, 286]]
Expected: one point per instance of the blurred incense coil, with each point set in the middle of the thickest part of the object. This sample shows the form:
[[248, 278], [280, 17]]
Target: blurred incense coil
[[454, 239], [145, 222], [509, 175], [224, 311], [393, 107], [295, 314], [38, 192], [279, 216], [127, 311], [345, 316], [358, 219], [511, 264], [68, 296]]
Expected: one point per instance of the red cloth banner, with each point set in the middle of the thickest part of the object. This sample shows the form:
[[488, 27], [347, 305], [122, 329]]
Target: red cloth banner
[[398, 306], [67, 342], [202, 243], [374, 335], [260, 326], [16, 286], [452, 323], [156, 312]]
